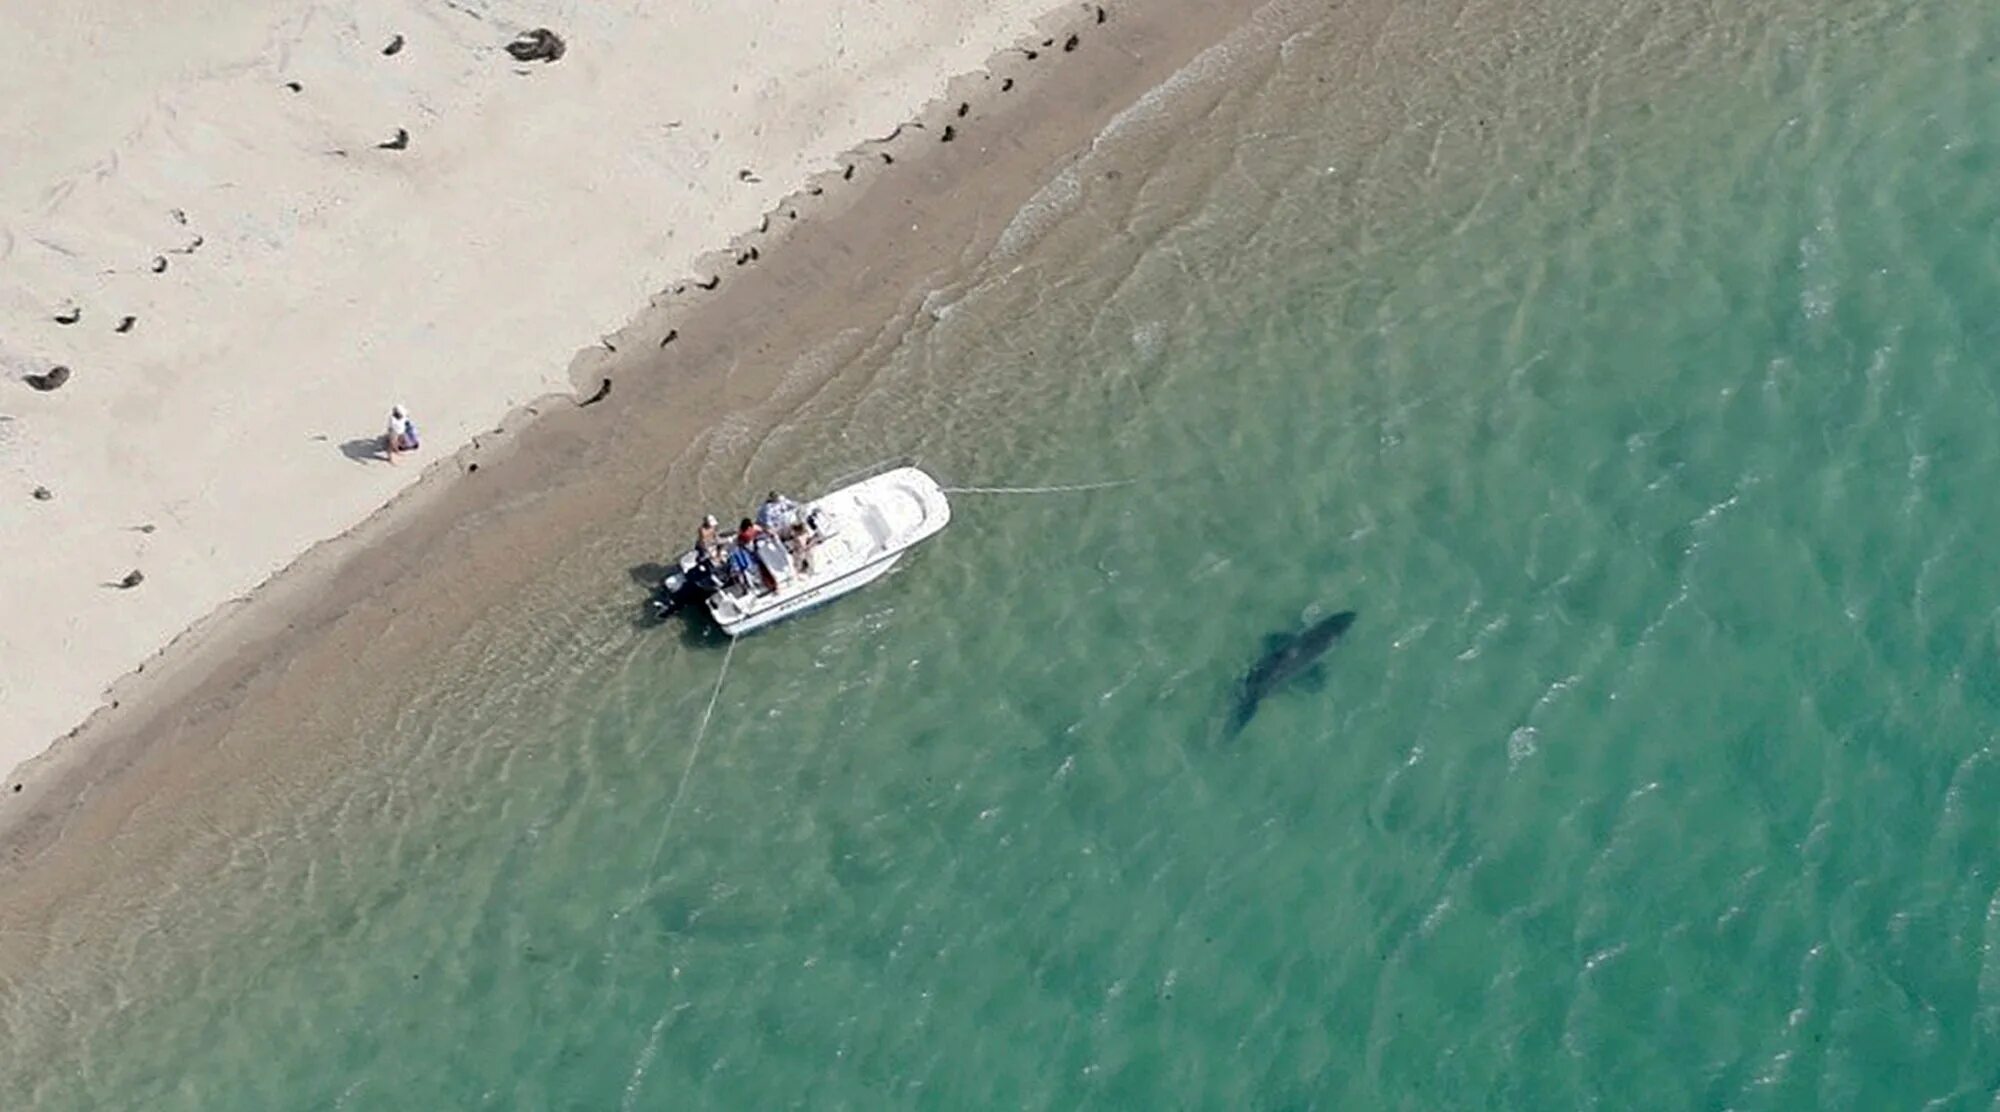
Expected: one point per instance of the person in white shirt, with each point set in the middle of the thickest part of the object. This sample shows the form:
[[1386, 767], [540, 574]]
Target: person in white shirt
[[402, 434]]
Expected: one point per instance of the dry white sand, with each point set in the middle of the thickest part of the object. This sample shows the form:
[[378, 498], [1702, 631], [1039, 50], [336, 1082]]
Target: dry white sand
[[534, 209]]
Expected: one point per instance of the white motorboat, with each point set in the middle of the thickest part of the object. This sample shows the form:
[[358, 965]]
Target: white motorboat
[[849, 538]]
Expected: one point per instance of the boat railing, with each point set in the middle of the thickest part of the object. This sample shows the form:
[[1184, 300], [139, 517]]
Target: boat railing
[[869, 472]]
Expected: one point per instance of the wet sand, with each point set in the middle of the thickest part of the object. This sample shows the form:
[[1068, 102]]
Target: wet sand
[[103, 817]]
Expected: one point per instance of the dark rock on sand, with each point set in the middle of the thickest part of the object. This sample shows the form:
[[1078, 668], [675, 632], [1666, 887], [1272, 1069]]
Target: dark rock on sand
[[52, 379], [395, 47], [401, 141], [538, 45]]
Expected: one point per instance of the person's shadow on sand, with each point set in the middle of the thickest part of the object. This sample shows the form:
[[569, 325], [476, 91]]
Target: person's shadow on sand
[[365, 449]]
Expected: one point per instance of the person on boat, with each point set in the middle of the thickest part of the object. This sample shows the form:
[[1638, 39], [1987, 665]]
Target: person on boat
[[707, 541], [744, 558], [778, 514], [741, 563], [783, 518]]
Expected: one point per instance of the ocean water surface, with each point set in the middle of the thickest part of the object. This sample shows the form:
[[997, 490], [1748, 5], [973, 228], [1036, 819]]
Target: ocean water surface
[[1628, 369]]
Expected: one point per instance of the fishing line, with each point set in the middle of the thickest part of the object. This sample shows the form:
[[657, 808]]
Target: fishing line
[[694, 753]]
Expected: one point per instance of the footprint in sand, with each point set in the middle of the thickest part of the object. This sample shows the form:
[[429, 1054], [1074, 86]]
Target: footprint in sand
[[53, 379], [538, 45]]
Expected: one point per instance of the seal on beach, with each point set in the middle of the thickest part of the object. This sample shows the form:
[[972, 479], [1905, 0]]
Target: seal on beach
[[401, 140], [713, 282], [1070, 43], [126, 324], [538, 45], [52, 379], [42, 494], [672, 335], [1006, 84], [848, 173], [1100, 14], [295, 86], [70, 317], [395, 47], [159, 264], [132, 579], [949, 134], [603, 392]]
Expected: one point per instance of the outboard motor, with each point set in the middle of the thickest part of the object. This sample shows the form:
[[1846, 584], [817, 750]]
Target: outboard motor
[[691, 583]]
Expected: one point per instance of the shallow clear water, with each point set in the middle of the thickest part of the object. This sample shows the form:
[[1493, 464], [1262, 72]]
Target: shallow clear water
[[1629, 373]]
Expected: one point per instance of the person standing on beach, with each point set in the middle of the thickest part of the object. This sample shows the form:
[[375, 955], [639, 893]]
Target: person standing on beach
[[402, 434]]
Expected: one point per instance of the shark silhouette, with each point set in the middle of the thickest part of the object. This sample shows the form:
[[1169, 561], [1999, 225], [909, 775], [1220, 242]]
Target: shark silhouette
[[1286, 657]]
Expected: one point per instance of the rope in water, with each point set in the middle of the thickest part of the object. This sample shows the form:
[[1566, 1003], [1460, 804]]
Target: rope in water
[[694, 752], [1071, 488]]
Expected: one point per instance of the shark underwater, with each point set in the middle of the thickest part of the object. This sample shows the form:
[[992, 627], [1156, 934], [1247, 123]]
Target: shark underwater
[[1287, 656]]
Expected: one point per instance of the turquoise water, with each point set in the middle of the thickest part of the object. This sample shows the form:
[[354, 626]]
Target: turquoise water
[[1627, 371]]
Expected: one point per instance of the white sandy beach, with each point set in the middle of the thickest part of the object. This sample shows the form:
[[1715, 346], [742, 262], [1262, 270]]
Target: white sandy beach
[[311, 278]]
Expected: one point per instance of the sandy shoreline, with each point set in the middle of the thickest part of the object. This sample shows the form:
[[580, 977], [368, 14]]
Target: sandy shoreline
[[244, 267], [124, 797]]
